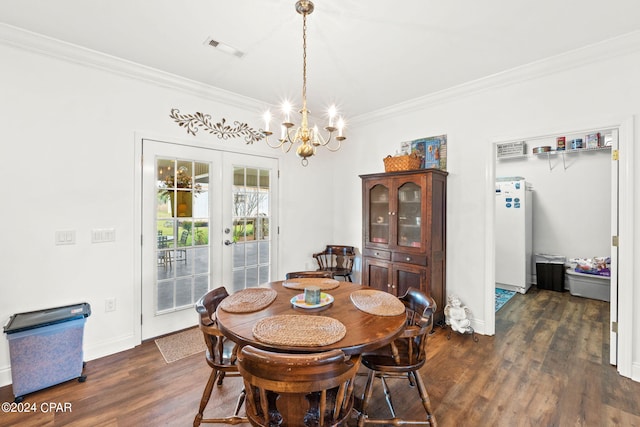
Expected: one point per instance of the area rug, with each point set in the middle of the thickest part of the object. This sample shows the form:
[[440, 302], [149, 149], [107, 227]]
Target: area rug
[[181, 344], [502, 297]]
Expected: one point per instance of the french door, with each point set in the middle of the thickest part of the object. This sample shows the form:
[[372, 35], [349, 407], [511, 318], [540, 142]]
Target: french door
[[251, 218], [207, 221]]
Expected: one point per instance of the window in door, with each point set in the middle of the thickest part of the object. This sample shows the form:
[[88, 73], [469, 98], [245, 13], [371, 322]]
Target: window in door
[[182, 227], [251, 226]]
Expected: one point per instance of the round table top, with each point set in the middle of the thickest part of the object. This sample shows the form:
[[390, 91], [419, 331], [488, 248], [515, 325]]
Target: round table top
[[364, 331]]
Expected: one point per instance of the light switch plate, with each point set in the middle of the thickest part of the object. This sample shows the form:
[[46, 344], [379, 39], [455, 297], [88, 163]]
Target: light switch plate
[[102, 235], [66, 237]]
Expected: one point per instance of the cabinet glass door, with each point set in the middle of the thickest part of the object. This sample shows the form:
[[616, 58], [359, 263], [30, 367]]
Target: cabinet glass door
[[409, 215], [379, 214]]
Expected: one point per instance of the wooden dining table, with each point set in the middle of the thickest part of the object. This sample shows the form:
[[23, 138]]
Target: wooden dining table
[[364, 331]]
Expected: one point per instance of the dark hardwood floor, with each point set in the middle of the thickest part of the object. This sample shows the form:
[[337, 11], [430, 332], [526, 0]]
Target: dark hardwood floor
[[547, 365]]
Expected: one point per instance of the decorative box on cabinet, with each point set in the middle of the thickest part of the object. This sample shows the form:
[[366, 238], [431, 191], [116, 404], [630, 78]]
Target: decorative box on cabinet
[[404, 232]]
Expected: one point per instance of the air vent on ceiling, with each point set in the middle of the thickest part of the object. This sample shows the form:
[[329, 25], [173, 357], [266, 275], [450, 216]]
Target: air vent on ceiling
[[224, 47]]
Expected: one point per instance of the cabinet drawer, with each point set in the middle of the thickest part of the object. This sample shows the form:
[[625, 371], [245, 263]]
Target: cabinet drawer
[[374, 253], [409, 258]]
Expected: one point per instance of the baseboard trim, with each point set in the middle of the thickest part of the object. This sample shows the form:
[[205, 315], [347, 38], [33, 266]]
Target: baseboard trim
[[635, 372], [479, 326]]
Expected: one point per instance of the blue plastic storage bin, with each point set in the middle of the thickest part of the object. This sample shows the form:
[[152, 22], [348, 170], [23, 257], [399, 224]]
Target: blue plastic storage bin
[[45, 347]]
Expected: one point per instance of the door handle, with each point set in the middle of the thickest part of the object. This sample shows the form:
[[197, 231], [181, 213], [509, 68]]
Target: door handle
[[228, 242]]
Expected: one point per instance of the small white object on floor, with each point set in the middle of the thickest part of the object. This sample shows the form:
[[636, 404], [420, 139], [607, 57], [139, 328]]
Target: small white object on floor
[[456, 315]]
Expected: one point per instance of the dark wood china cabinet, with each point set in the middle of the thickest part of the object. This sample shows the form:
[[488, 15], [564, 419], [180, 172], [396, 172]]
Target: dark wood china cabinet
[[404, 233]]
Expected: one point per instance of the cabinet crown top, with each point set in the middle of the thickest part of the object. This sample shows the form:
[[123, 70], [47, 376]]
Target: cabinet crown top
[[409, 172]]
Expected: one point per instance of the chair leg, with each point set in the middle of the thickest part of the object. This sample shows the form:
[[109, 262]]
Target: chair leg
[[387, 396], [231, 420], [414, 377], [410, 377], [221, 378], [241, 398], [426, 402], [206, 395], [366, 398]]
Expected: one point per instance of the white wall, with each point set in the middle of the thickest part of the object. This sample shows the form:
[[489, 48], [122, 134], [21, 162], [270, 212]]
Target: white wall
[[68, 135], [306, 210], [563, 94], [571, 207]]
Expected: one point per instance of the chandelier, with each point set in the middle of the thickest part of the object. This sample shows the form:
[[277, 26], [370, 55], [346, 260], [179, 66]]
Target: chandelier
[[307, 138]]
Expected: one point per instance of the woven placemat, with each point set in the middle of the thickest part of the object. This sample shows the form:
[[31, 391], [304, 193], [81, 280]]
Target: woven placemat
[[299, 330], [248, 300], [377, 302], [322, 283]]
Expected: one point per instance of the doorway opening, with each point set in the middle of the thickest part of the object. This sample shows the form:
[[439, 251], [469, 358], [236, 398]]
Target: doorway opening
[[622, 255]]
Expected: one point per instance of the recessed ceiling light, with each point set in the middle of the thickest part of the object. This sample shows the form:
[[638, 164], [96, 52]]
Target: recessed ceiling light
[[224, 47]]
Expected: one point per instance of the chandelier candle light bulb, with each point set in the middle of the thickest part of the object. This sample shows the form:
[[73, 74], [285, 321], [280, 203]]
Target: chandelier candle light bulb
[[286, 108], [267, 120], [308, 139]]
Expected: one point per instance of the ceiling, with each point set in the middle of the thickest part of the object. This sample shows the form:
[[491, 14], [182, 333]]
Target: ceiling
[[363, 55]]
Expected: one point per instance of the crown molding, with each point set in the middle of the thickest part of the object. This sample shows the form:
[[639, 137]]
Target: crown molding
[[59, 49], [618, 46]]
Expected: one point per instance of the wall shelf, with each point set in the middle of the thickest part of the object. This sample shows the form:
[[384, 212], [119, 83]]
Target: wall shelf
[[551, 140], [562, 153]]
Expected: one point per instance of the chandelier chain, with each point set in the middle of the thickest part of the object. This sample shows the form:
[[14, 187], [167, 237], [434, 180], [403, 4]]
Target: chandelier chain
[[304, 60]]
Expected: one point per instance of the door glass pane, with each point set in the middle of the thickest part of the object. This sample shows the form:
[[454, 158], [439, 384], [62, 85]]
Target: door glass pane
[[251, 214], [263, 252], [379, 214], [201, 285], [409, 215], [182, 225], [184, 291], [201, 261], [165, 296], [263, 274]]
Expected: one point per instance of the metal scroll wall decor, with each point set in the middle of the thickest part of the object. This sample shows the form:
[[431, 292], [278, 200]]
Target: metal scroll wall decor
[[193, 122]]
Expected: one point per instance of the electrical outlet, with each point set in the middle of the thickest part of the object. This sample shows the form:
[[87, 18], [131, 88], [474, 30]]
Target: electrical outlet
[[109, 305]]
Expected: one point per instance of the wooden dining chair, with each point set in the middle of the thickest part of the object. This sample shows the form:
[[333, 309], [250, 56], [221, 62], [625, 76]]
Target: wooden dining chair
[[306, 274], [402, 358], [221, 356], [312, 389], [337, 259]]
